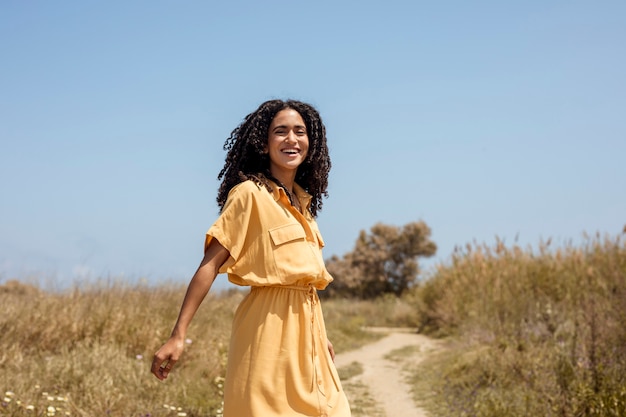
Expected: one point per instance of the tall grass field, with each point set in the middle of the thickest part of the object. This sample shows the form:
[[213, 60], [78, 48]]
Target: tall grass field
[[529, 332], [87, 352], [533, 332]]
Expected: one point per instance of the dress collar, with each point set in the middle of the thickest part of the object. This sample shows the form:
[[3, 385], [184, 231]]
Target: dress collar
[[303, 196]]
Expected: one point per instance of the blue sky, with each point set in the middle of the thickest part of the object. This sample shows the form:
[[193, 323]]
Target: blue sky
[[481, 118]]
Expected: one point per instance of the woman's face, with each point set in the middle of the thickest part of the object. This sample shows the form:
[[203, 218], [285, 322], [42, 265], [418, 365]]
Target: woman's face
[[287, 142]]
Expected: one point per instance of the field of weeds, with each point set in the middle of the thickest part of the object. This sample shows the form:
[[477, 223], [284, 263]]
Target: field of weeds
[[538, 332], [534, 332], [87, 352]]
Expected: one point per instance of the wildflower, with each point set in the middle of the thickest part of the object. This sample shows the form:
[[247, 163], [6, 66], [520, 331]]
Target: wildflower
[[188, 341], [50, 398], [172, 408], [9, 393], [139, 357], [181, 414], [166, 406], [30, 408], [6, 400]]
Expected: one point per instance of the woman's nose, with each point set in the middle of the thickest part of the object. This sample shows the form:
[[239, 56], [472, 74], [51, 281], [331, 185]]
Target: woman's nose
[[291, 137]]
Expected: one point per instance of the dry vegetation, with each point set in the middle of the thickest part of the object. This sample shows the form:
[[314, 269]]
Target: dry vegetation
[[539, 333], [87, 352], [531, 332]]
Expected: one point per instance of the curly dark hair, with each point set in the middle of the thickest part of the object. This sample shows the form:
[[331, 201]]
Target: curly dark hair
[[246, 158]]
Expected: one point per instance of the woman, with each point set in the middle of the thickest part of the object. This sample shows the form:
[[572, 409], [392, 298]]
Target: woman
[[280, 361]]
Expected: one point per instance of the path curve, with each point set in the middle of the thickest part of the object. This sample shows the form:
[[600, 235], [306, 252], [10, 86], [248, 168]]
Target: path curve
[[384, 377]]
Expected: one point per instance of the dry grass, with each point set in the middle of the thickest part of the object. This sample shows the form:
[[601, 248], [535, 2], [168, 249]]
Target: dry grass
[[532, 332], [87, 352], [538, 332], [92, 348]]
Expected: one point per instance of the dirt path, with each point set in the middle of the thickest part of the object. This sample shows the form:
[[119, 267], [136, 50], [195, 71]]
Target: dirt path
[[384, 377]]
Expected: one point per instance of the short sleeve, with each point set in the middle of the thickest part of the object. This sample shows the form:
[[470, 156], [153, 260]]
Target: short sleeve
[[232, 226]]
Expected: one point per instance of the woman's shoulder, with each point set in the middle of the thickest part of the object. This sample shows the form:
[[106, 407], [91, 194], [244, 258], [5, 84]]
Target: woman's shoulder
[[247, 186], [247, 189], [246, 196]]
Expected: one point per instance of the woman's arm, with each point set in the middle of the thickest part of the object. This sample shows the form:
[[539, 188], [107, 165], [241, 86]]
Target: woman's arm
[[167, 356]]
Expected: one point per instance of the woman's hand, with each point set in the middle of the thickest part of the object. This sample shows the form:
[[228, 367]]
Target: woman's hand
[[331, 350], [166, 357]]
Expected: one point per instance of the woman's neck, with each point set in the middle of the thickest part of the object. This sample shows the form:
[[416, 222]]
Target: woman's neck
[[286, 179]]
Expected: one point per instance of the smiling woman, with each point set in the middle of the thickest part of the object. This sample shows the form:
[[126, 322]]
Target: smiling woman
[[288, 145], [280, 360]]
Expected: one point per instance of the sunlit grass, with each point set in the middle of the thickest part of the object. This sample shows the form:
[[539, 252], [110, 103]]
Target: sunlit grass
[[87, 351], [538, 332], [93, 347], [530, 332]]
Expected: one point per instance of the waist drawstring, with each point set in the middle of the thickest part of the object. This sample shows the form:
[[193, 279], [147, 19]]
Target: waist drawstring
[[312, 295]]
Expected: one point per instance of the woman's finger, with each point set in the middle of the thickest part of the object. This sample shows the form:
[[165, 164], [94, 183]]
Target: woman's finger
[[156, 365], [162, 367], [165, 369], [331, 350]]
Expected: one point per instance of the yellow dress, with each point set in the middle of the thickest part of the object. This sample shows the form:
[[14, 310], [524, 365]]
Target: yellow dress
[[278, 362]]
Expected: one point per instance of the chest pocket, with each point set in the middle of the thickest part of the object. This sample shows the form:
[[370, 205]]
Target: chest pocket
[[287, 233], [293, 255]]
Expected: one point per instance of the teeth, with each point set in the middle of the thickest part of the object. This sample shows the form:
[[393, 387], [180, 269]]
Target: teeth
[[290, 151]]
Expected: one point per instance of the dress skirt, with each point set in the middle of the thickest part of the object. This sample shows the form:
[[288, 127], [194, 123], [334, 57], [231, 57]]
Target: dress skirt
[[278, 361]]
